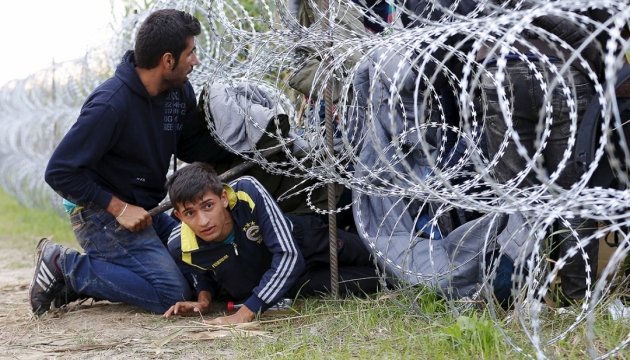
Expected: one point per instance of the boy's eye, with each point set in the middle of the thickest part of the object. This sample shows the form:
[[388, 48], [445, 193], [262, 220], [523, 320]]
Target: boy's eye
[[208, 206], [189, 213]]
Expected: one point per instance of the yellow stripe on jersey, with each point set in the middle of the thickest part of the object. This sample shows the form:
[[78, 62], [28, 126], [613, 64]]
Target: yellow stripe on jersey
[[189, 240], [235, 196], [188, 244]]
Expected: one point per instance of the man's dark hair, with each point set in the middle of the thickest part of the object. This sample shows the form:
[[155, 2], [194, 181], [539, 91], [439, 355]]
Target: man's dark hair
[[191, 182], [162, 32]]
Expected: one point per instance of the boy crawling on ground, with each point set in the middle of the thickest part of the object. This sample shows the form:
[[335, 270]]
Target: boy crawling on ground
[[236, 237]]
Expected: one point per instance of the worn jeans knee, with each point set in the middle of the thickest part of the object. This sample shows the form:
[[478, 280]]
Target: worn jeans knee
[[130, 267]]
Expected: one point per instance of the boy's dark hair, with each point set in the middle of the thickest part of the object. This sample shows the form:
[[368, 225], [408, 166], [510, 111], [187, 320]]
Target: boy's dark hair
[[191, 182], [162, 32]]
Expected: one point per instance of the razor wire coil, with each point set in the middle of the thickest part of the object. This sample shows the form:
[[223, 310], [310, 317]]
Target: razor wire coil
[[267, 46]]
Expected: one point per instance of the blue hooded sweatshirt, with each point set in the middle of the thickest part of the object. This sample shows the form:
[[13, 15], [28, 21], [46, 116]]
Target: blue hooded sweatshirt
[[123, 141]]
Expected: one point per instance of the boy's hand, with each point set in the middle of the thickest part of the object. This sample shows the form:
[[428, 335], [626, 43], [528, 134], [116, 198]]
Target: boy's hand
[[187, 308], [243, 315], [201, 306]]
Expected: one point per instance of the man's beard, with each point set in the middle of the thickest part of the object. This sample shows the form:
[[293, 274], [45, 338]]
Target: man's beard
[[176, 82]]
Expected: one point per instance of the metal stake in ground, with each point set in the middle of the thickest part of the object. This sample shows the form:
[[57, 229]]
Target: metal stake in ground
[[332, 219]]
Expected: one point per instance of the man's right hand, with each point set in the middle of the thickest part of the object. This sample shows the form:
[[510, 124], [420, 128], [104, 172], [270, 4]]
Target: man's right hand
[[135, 218], [130, 216]]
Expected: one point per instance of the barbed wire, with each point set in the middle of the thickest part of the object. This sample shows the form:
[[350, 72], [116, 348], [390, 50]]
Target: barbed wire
[[428, 106]]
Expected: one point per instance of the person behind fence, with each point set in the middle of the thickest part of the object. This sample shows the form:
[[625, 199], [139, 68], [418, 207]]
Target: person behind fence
[[111, 167], [525, 83], [236, 237]]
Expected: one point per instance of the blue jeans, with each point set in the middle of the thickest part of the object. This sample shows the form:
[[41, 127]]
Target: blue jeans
[[526, 99], [130, 267]]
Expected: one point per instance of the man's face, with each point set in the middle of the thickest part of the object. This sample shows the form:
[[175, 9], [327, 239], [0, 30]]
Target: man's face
[[208, 217], [177, 77]]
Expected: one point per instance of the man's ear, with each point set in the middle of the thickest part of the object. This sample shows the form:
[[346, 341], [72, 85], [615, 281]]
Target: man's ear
[[168, 60]]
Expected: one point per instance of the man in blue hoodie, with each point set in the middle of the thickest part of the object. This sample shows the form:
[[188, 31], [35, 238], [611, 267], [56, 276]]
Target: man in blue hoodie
[[111, 167]]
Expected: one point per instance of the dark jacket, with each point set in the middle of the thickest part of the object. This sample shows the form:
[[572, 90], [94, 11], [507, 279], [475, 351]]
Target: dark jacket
[[575, 34], [261, 264], [418, 13], [123, 141]]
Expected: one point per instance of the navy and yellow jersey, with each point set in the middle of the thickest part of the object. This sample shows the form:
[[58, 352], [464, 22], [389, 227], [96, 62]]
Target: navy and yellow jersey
[[261, 264]]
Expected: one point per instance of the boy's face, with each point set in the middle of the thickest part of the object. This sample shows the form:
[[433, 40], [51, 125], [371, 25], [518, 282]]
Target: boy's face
[[208, 217]]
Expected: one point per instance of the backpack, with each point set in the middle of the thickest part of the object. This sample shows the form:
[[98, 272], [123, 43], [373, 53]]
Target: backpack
[[590, 132], [587, 143]]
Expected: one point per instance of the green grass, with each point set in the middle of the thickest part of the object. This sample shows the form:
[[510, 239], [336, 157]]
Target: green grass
[[383, 329], [376, 329], [21, 227]]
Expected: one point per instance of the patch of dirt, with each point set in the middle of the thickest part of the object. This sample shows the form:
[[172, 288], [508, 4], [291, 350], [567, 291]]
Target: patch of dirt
[[93, 329]]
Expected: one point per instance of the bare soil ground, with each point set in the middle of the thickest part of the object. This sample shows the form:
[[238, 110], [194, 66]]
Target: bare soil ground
[[88, 330]]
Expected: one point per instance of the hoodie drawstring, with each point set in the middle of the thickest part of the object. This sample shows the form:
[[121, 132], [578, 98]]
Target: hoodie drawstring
[[175, 135]]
